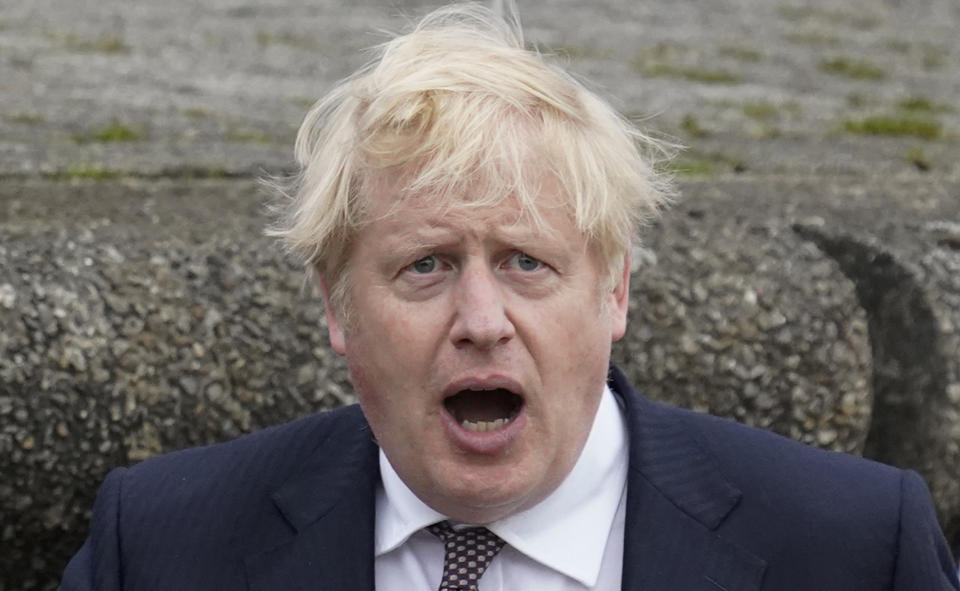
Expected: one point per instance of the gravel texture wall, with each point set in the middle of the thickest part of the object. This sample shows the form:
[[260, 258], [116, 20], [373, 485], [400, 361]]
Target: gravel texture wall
[[908, 282], [150, 315]]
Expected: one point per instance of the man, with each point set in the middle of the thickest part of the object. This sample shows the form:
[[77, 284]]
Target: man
[[467, 211]]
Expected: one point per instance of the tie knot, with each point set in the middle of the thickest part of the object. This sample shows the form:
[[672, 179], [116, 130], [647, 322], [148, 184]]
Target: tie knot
[[467, 553]]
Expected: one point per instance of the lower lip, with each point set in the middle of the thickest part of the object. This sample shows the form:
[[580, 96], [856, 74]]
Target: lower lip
[[486, 442]]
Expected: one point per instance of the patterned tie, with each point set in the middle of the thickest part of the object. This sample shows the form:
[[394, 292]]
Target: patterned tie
[[467, 554]]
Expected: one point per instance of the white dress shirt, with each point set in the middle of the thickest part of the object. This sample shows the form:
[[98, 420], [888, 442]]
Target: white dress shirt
[[570, 541]]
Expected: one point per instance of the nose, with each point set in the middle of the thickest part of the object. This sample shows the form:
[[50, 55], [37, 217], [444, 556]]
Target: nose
[[481, 314]]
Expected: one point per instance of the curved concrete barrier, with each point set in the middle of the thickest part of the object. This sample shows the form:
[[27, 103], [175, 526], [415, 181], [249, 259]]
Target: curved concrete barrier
[[166, 320], [909, 284]]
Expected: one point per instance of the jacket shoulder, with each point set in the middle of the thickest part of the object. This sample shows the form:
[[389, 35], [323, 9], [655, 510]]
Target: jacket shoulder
[[206, 499], [756, 460], [813, 506], [187, 519], [271, 452]]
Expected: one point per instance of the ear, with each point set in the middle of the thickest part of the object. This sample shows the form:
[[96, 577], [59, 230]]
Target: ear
[[619, 301], [334, 326]]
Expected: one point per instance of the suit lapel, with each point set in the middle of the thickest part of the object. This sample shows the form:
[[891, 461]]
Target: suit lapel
[[677, 498], [328, 506]]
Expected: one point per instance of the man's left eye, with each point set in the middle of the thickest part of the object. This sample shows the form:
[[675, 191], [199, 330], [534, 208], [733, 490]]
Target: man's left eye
[[525, 262]]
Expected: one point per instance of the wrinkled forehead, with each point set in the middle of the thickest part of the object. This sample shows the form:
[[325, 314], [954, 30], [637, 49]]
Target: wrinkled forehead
[[539, 207]]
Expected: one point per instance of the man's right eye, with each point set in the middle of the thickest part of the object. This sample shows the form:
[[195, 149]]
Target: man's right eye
[[427, 264]]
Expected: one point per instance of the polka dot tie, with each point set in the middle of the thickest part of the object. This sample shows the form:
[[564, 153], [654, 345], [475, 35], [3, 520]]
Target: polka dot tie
[[467, 554]]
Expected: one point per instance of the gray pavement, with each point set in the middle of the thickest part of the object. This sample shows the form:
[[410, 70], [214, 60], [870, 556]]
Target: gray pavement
[[219, 87]]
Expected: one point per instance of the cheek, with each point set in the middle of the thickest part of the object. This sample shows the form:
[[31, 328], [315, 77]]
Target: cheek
[[387, 355], [586, 346], [581, 332], [379, 333], [365, 386], [367, 360], [375, 393]]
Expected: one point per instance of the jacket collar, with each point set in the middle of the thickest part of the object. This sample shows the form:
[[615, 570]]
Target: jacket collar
[[327, 507], [677, 500]]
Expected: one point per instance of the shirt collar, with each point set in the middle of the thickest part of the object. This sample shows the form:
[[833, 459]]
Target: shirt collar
[[566, 532]]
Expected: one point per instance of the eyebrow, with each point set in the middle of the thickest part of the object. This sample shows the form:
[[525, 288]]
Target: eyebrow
[[408, 244], [407, 249]]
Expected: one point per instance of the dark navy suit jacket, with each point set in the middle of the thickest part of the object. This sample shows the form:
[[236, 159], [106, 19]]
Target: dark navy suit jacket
[[711, 506]]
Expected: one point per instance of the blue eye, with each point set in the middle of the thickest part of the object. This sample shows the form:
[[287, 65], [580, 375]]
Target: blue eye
[[427, 264], [526, 262]]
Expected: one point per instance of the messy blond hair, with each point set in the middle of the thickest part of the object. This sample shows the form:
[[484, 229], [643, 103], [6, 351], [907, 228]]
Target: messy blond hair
[[460, 112]]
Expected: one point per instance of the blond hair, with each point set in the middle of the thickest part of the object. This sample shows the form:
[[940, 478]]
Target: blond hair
[[460, 112]]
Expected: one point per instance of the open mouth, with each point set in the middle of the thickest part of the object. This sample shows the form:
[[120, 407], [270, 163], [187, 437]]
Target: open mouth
[[484, 410]]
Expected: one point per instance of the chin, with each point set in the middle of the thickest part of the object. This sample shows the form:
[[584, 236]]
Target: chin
[[478, 510], [482, 497]]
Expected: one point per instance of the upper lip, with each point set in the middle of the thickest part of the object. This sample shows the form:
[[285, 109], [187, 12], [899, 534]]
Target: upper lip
[[491, 382]]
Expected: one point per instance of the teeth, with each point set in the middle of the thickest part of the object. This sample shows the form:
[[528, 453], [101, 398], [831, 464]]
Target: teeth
[[484, 426]]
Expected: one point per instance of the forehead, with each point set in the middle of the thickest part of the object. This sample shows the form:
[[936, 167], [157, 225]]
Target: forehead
[[390, 211]]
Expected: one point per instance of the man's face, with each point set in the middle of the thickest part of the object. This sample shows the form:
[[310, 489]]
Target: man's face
[[478, 348]]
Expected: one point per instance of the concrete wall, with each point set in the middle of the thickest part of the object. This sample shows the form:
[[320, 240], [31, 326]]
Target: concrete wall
[[162, 318]]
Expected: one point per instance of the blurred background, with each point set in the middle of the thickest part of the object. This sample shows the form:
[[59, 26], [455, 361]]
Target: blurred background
[[114, 87]]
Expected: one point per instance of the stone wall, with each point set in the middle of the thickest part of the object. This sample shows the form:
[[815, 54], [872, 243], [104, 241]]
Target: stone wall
[[145, 316], [909, 284]]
